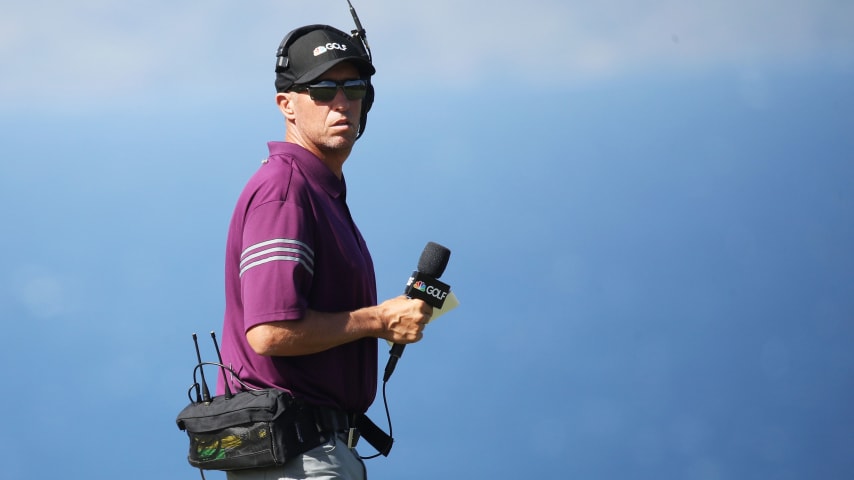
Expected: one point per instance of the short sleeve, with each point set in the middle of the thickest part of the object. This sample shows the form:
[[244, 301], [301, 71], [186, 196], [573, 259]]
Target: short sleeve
[[276, 263]]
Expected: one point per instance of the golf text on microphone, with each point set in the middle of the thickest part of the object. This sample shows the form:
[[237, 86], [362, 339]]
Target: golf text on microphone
[[427, 288]]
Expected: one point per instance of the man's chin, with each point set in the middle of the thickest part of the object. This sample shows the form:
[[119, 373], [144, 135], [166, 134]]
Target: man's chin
[[339, 143], [347, 136]]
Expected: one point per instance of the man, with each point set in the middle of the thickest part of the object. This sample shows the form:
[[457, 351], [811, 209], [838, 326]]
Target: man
[[301, 309]]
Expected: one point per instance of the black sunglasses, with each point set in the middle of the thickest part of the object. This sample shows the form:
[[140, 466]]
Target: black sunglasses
[[325, 90]]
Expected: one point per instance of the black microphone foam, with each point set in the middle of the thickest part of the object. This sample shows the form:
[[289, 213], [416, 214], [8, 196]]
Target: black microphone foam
[[433, 260]]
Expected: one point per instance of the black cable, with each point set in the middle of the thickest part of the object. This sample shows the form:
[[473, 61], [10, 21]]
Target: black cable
[[388, 418], [190, 393], [195, 384]]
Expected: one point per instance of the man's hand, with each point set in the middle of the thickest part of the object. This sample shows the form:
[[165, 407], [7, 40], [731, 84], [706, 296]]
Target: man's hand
[[404, 319]]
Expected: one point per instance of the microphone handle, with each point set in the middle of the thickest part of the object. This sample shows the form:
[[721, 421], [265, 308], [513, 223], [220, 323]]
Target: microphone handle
[[396, 349], [394, 355]]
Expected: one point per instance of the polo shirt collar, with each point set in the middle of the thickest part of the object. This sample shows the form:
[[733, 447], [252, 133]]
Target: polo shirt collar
[[312, 166]]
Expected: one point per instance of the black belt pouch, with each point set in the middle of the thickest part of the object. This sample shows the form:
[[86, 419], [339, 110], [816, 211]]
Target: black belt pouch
[[251, 429]]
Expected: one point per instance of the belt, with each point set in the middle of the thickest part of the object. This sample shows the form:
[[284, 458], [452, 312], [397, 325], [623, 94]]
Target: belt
[[354, 425], [333, 420]]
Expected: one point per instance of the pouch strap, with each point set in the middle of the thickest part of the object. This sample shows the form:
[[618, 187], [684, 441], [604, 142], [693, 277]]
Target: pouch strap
[[374, 435], [333, 420]]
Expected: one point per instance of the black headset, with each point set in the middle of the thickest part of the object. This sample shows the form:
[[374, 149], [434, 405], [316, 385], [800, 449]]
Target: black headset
[[283, 62]]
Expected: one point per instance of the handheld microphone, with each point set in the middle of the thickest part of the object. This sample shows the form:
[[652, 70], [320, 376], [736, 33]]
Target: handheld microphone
[[424, 285]]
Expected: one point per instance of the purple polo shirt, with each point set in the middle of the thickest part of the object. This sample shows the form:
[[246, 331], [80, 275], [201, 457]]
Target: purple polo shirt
[[293, 246]]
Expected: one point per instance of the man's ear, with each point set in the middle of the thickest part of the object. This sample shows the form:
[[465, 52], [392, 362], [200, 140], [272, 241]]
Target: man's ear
[[284, 101]]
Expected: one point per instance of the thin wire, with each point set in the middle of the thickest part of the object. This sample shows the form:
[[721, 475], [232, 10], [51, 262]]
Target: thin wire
[[388, 418], [226, 367]]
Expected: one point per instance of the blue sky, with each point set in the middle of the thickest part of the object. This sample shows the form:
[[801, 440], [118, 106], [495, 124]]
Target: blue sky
[[649, 207]]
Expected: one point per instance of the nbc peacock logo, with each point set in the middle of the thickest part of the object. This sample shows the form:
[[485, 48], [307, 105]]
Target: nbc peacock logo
[[420, 285]]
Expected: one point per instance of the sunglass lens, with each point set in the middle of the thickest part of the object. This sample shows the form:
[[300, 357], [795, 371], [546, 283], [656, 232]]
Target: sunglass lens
[[326, 90], [355, 92], [323, 93]]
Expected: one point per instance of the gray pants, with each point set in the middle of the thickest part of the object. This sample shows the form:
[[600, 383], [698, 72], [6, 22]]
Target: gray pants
[[332, 460]]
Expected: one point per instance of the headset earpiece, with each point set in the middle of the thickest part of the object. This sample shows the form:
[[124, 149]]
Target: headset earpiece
[[367, 103]]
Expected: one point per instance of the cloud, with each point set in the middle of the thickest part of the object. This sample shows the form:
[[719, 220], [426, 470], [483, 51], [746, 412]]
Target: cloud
[[76, 53], [43, 294]]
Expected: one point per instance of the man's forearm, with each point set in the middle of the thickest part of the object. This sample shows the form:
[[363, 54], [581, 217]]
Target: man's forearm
[[315, 332], [398, 320]]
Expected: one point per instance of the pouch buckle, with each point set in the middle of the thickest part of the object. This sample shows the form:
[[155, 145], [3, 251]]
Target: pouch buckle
[[352, 437]]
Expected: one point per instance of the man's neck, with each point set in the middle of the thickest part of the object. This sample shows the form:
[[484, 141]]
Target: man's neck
[[333, 158]]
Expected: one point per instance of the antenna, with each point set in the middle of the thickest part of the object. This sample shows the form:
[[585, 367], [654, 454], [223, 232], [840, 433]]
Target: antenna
[[206, 394], [359, 32], [221, 366]]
